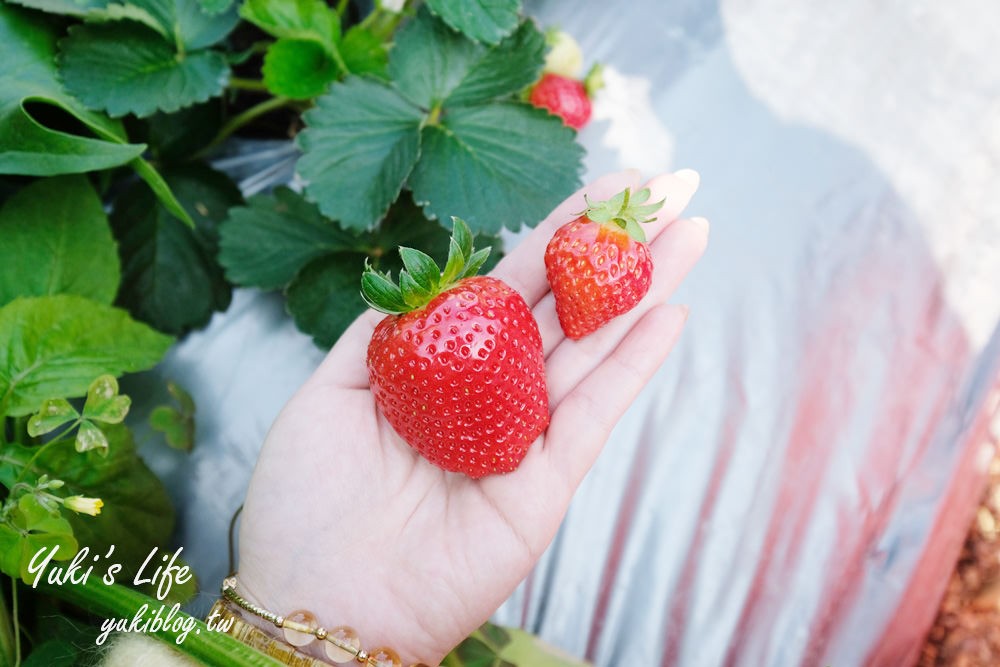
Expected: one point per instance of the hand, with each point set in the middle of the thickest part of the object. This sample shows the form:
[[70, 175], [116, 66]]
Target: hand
[[344, 519]]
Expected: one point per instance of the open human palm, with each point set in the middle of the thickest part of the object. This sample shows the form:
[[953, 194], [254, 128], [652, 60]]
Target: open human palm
[[344, 519]]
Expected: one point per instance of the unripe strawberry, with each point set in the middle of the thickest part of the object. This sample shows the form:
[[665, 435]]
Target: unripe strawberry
[[457, 367], [564, 56]]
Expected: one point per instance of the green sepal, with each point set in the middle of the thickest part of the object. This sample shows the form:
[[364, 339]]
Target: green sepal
[[419, 265], [381, 293], [634, 229], [422, 279], [456, 258], [625, 210], [413, 294], [475, 263], [462, 234]]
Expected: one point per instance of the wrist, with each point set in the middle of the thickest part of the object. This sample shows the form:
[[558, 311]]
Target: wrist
[[300, 636]]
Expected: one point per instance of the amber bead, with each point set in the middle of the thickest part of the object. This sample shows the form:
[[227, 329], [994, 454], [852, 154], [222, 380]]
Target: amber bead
[[294, 637], [384, 657], [343, 635]]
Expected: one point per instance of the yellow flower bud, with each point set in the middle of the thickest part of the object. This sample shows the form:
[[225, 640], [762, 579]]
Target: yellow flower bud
[[84, 505]]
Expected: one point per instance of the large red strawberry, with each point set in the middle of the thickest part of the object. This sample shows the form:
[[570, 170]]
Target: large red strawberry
[[599, 265], [457, 367]]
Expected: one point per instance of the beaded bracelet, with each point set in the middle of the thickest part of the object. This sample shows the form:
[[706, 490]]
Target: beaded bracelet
[[341, 644]]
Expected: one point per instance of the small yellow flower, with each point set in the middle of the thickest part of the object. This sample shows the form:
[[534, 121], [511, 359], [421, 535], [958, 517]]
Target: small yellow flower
[[84, 505]]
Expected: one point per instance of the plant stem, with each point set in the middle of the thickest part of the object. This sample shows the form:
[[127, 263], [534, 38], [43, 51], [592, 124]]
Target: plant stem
[[253, 85], [381, 23], [342, 7], [38, 451], [210, 647], [239, 120], [16, 623], [6, 635]]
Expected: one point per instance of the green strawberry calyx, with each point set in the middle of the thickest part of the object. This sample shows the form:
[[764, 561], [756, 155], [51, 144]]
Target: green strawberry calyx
[[625, 211], [422, 279]]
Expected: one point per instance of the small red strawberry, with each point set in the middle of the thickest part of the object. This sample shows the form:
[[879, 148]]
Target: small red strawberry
[[566, 97], [457, 367], [599, 265]]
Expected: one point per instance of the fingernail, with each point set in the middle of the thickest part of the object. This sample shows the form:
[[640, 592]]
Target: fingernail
[[689, 176], [702, 224]]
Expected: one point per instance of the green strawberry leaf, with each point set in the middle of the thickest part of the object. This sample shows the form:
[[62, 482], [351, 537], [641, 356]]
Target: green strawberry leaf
[[56, 346], [511, 160], [176, 423], [159, 186], [29, 528], [432, 65], [171, 278], [213, 7], [56, 240], [294, 19], [364, 53], [103, 402], [52, 414], [35, 143], [181, 22], [298, 68], [80, 8], [137, 514], [324, 298], [126, 68], [482, 20], [174, 137], [491, 161], [361, 142], [265, 243]]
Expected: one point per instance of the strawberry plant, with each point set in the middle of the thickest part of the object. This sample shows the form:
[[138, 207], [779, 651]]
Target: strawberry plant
[[119, 234]]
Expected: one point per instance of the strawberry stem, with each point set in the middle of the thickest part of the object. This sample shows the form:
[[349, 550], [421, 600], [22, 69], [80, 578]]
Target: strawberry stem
[[422, 279]]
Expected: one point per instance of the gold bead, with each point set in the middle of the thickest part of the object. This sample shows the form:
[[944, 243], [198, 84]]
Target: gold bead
[[296, 637], [346, 637], [229, 584], [279, 620], [320, 633], [384, 657], [362, 656]]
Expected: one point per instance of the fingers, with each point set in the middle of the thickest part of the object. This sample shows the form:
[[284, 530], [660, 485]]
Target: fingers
[[675, 253], [583, 421], [524, 268]]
